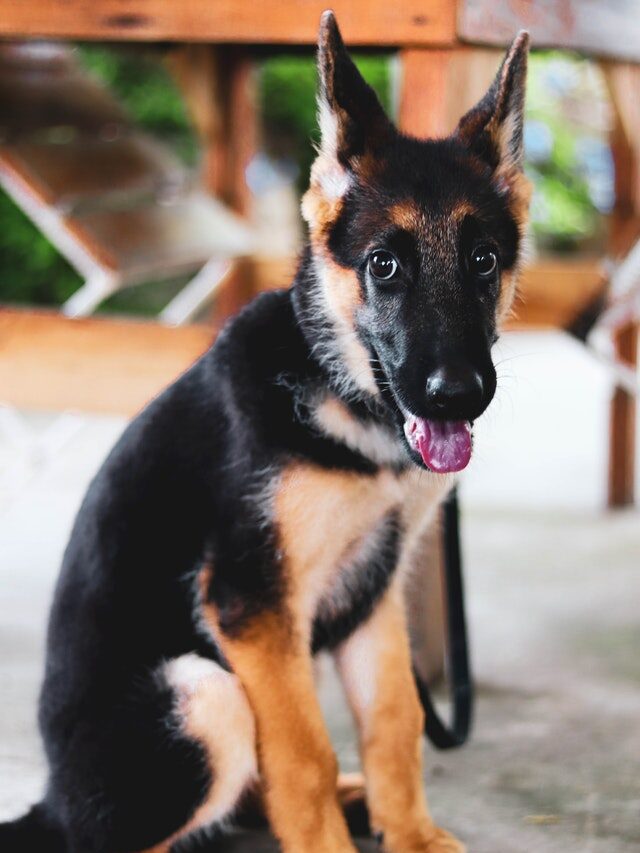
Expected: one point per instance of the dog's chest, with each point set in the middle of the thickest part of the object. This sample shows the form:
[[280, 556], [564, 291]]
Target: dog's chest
[[343, 534]]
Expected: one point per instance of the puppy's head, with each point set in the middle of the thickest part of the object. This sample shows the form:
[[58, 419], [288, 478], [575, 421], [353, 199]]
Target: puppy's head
[[415, 246]]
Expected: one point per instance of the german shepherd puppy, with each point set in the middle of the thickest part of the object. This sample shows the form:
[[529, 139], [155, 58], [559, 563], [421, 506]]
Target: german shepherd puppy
[[268, 504]]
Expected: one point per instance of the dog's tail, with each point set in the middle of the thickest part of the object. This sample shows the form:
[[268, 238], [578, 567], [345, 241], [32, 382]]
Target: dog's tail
[[36, 831]]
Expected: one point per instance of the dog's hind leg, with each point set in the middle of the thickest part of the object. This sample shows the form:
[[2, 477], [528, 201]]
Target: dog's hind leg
[[212, 708], [170, 755]]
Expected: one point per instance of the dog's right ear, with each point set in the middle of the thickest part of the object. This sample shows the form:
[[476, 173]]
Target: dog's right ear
[[351, 117], [493, 129]]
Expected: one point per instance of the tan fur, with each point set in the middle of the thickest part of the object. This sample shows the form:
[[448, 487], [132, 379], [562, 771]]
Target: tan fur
[[375, 665], [407, 214], [298, 766], [349, 787], [321, 517], [508, 287], [340, 289], [520, 190], [320, 205], [321, 514]]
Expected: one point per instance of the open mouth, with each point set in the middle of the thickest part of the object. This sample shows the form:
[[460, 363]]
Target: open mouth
[[445, 446]]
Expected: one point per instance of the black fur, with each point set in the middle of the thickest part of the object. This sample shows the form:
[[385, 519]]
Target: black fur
[[176, 490]]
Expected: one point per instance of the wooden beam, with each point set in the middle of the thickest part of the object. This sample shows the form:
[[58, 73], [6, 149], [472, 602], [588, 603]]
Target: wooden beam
[[622, 436], [595, 27], [102, 366], [363, 22], [439, 86], [624, 230], [219, 86], [553, 292]]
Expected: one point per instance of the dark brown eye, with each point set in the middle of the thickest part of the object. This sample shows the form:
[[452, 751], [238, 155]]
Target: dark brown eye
[[382, 265], [483, 261]]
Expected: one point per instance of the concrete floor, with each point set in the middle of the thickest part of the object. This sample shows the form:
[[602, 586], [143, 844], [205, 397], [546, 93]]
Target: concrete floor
[[554, 763]]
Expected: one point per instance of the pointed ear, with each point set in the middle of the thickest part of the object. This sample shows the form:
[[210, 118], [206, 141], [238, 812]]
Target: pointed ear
[[351, 117], [493, 129]]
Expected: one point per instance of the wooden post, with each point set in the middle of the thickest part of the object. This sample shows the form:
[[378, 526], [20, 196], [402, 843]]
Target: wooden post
[[219, 86], [438, 86], [622, 438], [624, 84]]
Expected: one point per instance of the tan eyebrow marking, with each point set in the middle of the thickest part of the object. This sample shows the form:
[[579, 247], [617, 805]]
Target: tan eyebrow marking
[[406, 214]]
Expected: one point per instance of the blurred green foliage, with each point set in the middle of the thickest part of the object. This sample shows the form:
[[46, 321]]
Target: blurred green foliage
[[31, 271], [288, 100], [565, 98], [147, 91]]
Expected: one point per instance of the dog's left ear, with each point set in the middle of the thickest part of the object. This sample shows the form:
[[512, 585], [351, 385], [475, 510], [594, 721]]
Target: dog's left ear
[[493, 129], [352, 119]]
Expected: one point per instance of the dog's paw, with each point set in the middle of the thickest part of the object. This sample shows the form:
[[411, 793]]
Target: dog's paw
[[444, 842], [437, 841]]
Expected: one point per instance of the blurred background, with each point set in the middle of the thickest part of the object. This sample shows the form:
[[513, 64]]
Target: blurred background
[[150, 189], [569, 159]]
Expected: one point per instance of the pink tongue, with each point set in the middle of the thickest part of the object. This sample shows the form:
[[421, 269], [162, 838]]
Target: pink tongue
[[445, 446]]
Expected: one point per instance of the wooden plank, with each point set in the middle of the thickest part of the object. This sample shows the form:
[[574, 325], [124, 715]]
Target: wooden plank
[[372, 22], [103, 366], [596, 27], [624, 84], [622, 434], [553, 292]]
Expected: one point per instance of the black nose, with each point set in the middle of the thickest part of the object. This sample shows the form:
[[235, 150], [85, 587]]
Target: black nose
[[455, 391]]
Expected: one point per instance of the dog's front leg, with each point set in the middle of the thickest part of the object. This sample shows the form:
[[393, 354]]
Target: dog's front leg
[[375, 666], [297, 763]]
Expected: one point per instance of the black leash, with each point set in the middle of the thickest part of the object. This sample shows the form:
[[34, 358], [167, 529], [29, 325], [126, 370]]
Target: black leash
[[441, 734]]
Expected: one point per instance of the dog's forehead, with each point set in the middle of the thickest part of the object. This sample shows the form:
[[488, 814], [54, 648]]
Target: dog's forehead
[[419, 185], [409, 214], [432, 221]]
